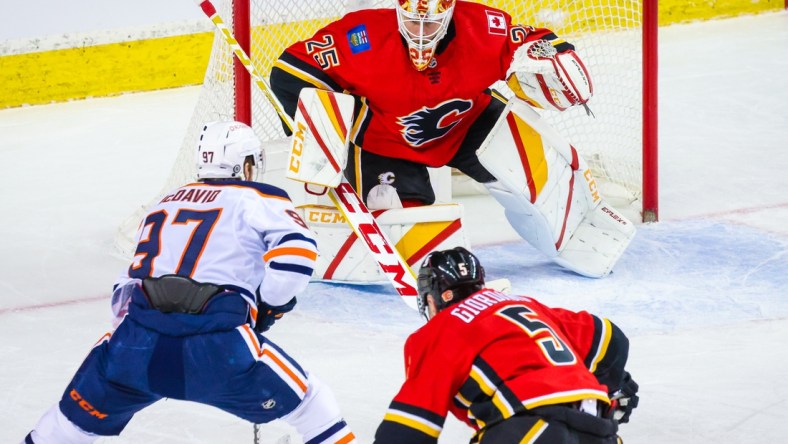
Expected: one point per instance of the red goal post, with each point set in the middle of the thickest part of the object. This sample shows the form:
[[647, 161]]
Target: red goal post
[[616, 38]]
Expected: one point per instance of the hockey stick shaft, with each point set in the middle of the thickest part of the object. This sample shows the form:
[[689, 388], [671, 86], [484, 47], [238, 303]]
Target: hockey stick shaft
[[210, 11], [347, 201]]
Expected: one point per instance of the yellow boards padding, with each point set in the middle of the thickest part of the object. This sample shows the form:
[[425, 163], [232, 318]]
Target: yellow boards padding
[[670, 11], [146, 65], [676, 11], [103, 70]]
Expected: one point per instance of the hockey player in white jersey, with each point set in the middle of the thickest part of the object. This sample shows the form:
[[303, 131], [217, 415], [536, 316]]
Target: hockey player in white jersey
[[217, 263]]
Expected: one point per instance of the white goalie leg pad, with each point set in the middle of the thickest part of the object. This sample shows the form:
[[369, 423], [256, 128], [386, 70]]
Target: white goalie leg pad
[[321, 128], [549, 195], [55, 428], [525, 218], [414, 232], [598, 242], [318, 415], [277, 153]]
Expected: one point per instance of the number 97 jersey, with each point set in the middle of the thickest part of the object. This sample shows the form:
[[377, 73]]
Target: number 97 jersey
[[230, 233]]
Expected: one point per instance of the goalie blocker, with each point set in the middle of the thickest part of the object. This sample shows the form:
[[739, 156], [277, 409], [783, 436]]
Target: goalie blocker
[[549, 194]]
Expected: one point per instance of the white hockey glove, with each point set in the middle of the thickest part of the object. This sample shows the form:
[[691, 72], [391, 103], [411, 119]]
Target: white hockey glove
[[548, 79]]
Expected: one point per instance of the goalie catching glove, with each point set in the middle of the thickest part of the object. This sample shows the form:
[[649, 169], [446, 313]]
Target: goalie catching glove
[[547, 78], [268, 314], [623, 400]]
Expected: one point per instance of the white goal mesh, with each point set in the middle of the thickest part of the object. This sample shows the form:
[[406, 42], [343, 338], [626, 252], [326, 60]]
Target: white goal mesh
[[606, 33]]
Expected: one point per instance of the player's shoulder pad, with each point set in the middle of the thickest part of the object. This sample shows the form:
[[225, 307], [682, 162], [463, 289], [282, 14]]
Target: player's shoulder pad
[[264, 188], [377, 21], [479, 12]]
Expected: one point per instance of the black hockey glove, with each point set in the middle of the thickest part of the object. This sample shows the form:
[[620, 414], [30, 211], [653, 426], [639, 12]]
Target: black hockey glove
[[268, 314], [624, 400]]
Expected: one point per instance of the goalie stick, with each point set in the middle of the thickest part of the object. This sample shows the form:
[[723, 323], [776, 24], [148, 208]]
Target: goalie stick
[[343, 196]]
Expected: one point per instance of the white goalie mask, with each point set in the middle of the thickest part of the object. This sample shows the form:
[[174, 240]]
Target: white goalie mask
[[222, 149], [423, 23]]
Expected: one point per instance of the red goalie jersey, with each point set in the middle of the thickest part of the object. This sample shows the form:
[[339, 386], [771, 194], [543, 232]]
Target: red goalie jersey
[[493, 356], [420, 116]]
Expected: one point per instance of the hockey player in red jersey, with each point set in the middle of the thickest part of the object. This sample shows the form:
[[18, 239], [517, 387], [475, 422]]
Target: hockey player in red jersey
[[417, 105], [421, 74], [513, 369]]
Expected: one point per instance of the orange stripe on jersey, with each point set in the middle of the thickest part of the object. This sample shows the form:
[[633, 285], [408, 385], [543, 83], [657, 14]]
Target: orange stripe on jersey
[[346, 439], [147, 229], [301, 384], [104, 338], [262, 351], [253, 339], [290, 251]]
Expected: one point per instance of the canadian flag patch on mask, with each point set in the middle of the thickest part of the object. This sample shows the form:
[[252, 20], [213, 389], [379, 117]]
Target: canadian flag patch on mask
[[496, 23]]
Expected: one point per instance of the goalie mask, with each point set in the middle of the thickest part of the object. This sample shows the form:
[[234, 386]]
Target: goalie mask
[[456, 269], [423, 23], [222, 151]]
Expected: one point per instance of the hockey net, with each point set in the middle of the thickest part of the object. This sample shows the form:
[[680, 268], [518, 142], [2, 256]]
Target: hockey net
[[607, 34]]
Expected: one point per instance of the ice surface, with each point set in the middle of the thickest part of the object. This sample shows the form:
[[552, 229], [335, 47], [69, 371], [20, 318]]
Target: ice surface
[[703, 294]]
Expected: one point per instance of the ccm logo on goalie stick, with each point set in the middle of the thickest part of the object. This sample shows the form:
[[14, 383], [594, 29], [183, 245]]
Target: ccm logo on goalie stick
[[297, 148], [373, 236]]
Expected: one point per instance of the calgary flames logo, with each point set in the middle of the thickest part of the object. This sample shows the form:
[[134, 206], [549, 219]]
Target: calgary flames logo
[[428, 124]]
